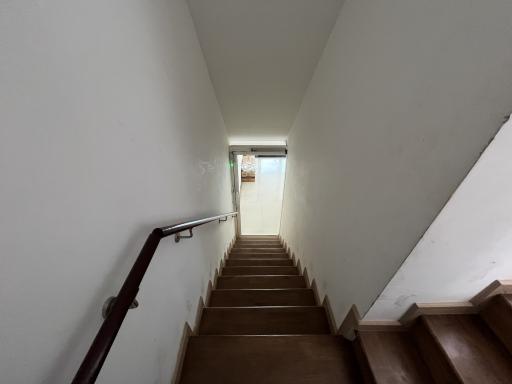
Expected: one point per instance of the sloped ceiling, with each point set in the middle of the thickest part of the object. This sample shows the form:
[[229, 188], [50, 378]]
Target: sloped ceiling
[[261, 55]]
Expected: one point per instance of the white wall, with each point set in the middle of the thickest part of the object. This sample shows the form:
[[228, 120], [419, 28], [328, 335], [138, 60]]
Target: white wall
[[261, 201], [109, 126], [468, 245], [406, 95]]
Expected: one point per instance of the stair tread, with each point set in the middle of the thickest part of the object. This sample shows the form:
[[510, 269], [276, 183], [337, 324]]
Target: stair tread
[[261, 297], [472, 350], [264, 321], [262, 248], [260, 244], [392, 358], [273, 281], [259, 270], [252, 245], [259, 241], [269, 359]]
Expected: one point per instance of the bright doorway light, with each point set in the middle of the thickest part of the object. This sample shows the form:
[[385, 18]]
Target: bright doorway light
[[261, 194]]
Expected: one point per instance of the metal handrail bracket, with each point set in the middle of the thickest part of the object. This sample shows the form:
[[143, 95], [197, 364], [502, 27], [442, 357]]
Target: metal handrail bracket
[[179, 236]]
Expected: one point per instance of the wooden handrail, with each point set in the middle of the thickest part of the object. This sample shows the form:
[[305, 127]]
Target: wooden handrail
[[95, 357]]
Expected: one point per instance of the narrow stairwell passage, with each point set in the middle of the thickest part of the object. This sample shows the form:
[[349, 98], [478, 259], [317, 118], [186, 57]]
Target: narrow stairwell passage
[[263, 325]]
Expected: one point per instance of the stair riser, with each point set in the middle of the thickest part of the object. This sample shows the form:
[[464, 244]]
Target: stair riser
[[233, 271], [254, 298], [258, 250], [258, 256], [498, 315], [260, 282], [318, 359], [252, 245], [258, 262], [264, 321], [390, 357]]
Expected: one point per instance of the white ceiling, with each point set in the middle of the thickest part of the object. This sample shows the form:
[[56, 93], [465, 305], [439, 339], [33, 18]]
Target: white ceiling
[[261, 55]]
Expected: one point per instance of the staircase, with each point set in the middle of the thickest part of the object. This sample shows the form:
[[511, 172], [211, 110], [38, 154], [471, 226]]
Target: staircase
[[262, 324]]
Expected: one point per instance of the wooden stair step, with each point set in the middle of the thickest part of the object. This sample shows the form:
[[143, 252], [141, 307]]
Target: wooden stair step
[[257, 245], [314, 359], [260, 282], [261, 297], [390, 357], [258, 262], [258, 255], [461, 349], [264, 321], [259, 270], [497, 313], [258, 241], [260, 244], [258, 250]]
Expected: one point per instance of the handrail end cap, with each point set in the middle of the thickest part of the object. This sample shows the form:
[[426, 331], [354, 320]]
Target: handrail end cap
[[159, 232]]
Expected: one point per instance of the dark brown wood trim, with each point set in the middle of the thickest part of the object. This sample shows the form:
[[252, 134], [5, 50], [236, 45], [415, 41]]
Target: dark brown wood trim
[[187, 329], [419, 309], [185, 336]]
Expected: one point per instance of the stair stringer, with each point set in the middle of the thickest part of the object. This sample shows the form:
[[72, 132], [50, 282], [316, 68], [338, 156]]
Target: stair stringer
[[311, 283], [191, 330]]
